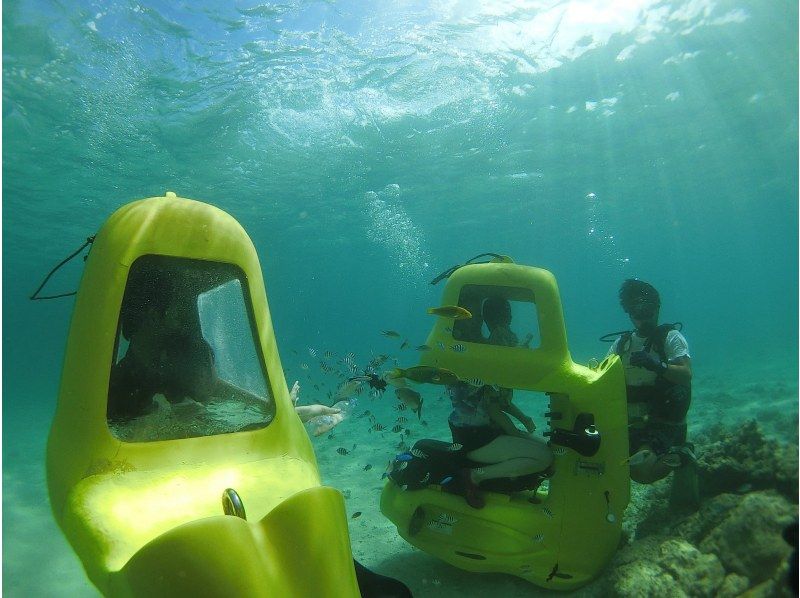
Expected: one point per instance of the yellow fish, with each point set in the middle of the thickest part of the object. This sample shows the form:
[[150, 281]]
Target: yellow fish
[[450, 311], [425, 374]]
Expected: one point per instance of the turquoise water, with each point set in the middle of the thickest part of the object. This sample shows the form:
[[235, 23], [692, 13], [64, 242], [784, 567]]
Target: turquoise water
[[366, 147]]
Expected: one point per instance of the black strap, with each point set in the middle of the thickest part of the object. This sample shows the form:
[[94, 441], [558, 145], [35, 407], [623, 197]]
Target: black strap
[[656, 340], [34, 297], [449, 271], [612, 336]]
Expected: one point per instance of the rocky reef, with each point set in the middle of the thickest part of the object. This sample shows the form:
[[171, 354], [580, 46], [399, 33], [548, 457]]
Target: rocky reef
[[733, 544]]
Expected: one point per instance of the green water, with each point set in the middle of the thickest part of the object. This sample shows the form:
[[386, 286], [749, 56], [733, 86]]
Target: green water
[[365, 147]]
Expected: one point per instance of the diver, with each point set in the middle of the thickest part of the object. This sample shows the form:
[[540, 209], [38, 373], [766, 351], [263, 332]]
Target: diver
[[658, 378], [166, 352], [480, 423], [168, 355], [496, 313]]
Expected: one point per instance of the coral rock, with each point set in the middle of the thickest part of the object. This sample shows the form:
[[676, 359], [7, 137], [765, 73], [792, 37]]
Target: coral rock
[[646, 580], [733, 585], [748, 541], [697, 573]]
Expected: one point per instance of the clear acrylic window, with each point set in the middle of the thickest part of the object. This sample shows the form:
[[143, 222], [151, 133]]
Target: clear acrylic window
[[187, 361], [502, 316]]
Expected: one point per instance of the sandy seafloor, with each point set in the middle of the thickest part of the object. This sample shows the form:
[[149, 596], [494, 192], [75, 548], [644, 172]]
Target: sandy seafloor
[[39, 562]]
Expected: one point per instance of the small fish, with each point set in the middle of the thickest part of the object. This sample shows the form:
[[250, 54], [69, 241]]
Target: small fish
[[453, 312], [425, 479], [397, 428], [446, 480], [316, 387], [303, 366], [368, 466], [390, 333], [423, 348], [448, 329], [350, 356], [404, 344], [379, 360], [401, 406], [367, 413], [328, 354], [355, 515], [402, 420], [331, 436], [407, 432], [342, 451], [312, 352], [425, 374], [418, 453], [377, 428], [395, 378], [475, 382], [411, 398], [403, 457], [348, 389], [459, 348], [402, 466], [440, 344], [455, 447]]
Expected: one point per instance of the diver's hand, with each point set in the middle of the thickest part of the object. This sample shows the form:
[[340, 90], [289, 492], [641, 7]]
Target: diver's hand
[[648, 361], [294, 394], [306, 412], [527, 421]]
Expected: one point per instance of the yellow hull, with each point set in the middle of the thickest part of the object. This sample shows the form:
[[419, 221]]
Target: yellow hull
[[146, 518], [560, 540]]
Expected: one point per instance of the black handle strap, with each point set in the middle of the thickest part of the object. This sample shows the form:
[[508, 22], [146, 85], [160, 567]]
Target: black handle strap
[[449, 271], [35, 296]]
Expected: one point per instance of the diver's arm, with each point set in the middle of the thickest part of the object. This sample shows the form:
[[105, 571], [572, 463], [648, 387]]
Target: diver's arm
[[307, 412], [494, 407], [516, 412], [679, 371]]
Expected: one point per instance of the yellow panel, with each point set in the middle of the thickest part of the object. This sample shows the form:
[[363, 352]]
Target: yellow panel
[[566, 540], [111, 498]]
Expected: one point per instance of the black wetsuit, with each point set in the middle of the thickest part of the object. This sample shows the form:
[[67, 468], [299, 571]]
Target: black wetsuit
[[663, 405]]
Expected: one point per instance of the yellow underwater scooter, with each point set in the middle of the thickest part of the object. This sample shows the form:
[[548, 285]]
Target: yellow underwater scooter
[[560, 539], [143, 505]]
